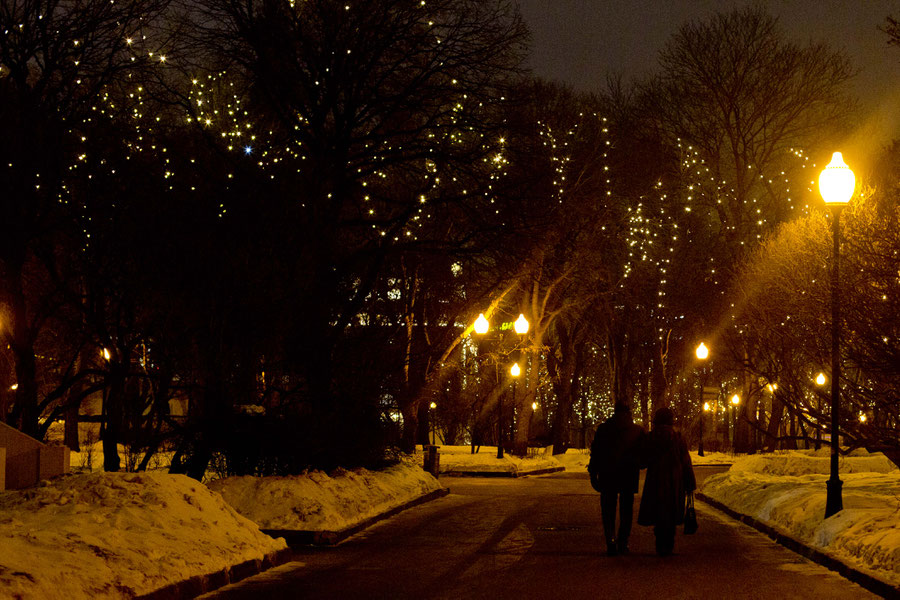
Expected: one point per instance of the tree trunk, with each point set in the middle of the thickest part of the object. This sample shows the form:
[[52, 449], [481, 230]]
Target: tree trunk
[[774, 423], [658, 381]]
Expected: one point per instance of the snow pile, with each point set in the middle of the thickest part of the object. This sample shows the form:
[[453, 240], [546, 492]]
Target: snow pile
[[574, 459], [864, 535], [712, 458], [320, 502], [114, 535], [809, 462]]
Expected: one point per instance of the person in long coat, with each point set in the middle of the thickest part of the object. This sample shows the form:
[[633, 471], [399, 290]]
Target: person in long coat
[[670, 477], [615, 472]]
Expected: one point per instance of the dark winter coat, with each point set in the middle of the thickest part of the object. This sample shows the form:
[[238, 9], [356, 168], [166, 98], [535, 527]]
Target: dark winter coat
[[670, 477], [615, 464]]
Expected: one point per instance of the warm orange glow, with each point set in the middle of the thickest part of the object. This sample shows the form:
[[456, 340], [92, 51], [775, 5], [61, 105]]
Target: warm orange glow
[[481, 325], [702, 351], [837, 181], [521, 325], [514, 370]]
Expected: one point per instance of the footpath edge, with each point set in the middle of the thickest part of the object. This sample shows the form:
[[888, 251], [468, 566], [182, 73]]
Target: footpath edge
[[202, 584], [502, 473], [873, 584], [298, 537]]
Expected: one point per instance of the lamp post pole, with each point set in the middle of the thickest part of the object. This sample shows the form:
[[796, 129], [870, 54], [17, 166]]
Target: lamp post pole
[[836, 184], [702, 353], [432, 406], [834, 501], [500, 425]]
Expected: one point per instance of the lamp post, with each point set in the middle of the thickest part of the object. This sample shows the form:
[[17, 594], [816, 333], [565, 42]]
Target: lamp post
[[520, 326], [702, 353], [820, 381], [432, 406], [702, 418], [735, 401], [836, 184], [480, 327]]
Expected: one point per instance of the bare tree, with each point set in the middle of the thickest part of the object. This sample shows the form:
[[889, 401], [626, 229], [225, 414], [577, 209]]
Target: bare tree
[[56, 59]]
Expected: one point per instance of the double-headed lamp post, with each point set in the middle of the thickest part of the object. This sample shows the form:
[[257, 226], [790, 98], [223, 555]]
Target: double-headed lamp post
[[702, 353], [836, 184], [520, 326]]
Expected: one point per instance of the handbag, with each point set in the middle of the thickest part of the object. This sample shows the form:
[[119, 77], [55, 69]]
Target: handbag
[[690, 516]]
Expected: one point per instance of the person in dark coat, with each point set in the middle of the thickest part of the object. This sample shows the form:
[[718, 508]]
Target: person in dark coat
[[670, 477], [615, 468]]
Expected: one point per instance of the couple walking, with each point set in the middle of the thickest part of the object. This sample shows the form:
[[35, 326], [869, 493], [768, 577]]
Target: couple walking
[[619, 451]]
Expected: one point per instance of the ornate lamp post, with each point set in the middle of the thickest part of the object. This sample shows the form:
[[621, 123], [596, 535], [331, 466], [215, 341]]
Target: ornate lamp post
[[836, 185], [702, 353], [520, 326]]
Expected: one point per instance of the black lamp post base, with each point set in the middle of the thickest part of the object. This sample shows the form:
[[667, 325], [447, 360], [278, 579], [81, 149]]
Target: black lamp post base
[[700, 449], [833, 501]]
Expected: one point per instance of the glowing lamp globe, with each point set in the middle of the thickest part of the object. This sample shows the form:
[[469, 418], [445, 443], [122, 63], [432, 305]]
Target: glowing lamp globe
[[514, 370], [735, 399], [481, 324], [836, 182], [820, 379], [702, 351], [521, 325]]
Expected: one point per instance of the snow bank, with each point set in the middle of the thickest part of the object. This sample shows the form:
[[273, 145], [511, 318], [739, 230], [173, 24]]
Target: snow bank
[[864, 535], [114, 535], [799, 462], [320, 502], [712, 458]]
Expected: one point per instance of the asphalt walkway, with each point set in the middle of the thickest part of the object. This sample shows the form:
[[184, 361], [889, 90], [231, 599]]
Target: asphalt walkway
[[540, 537]]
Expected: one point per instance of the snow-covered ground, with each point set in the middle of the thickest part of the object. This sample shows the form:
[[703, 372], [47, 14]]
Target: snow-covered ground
[[786, 491], [116, 535], [317, 501]]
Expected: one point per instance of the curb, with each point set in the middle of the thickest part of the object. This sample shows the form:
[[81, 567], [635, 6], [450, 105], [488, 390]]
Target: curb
[[876, 586], [201, 584], [502, 473], [298, 537]]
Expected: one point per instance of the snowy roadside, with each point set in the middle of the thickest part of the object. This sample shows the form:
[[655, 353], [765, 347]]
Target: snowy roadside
[[120, 535], [117, 535], [317, 501], [786, 492]]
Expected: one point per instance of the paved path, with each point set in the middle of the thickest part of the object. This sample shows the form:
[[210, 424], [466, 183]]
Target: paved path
[[540, 537]]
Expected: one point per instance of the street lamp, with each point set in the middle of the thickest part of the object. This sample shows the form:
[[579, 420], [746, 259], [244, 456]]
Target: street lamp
[[481, 325], [820, 381], [702, 353], [836, 184], [432, 406], [735, 400], [521, 325], [702, 417], [515, 371]]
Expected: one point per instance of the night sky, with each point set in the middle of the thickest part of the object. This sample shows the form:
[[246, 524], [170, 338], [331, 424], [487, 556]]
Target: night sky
[[578, 42]]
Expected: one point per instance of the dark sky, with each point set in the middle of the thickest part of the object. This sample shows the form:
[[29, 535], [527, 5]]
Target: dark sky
[[579, 41]]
